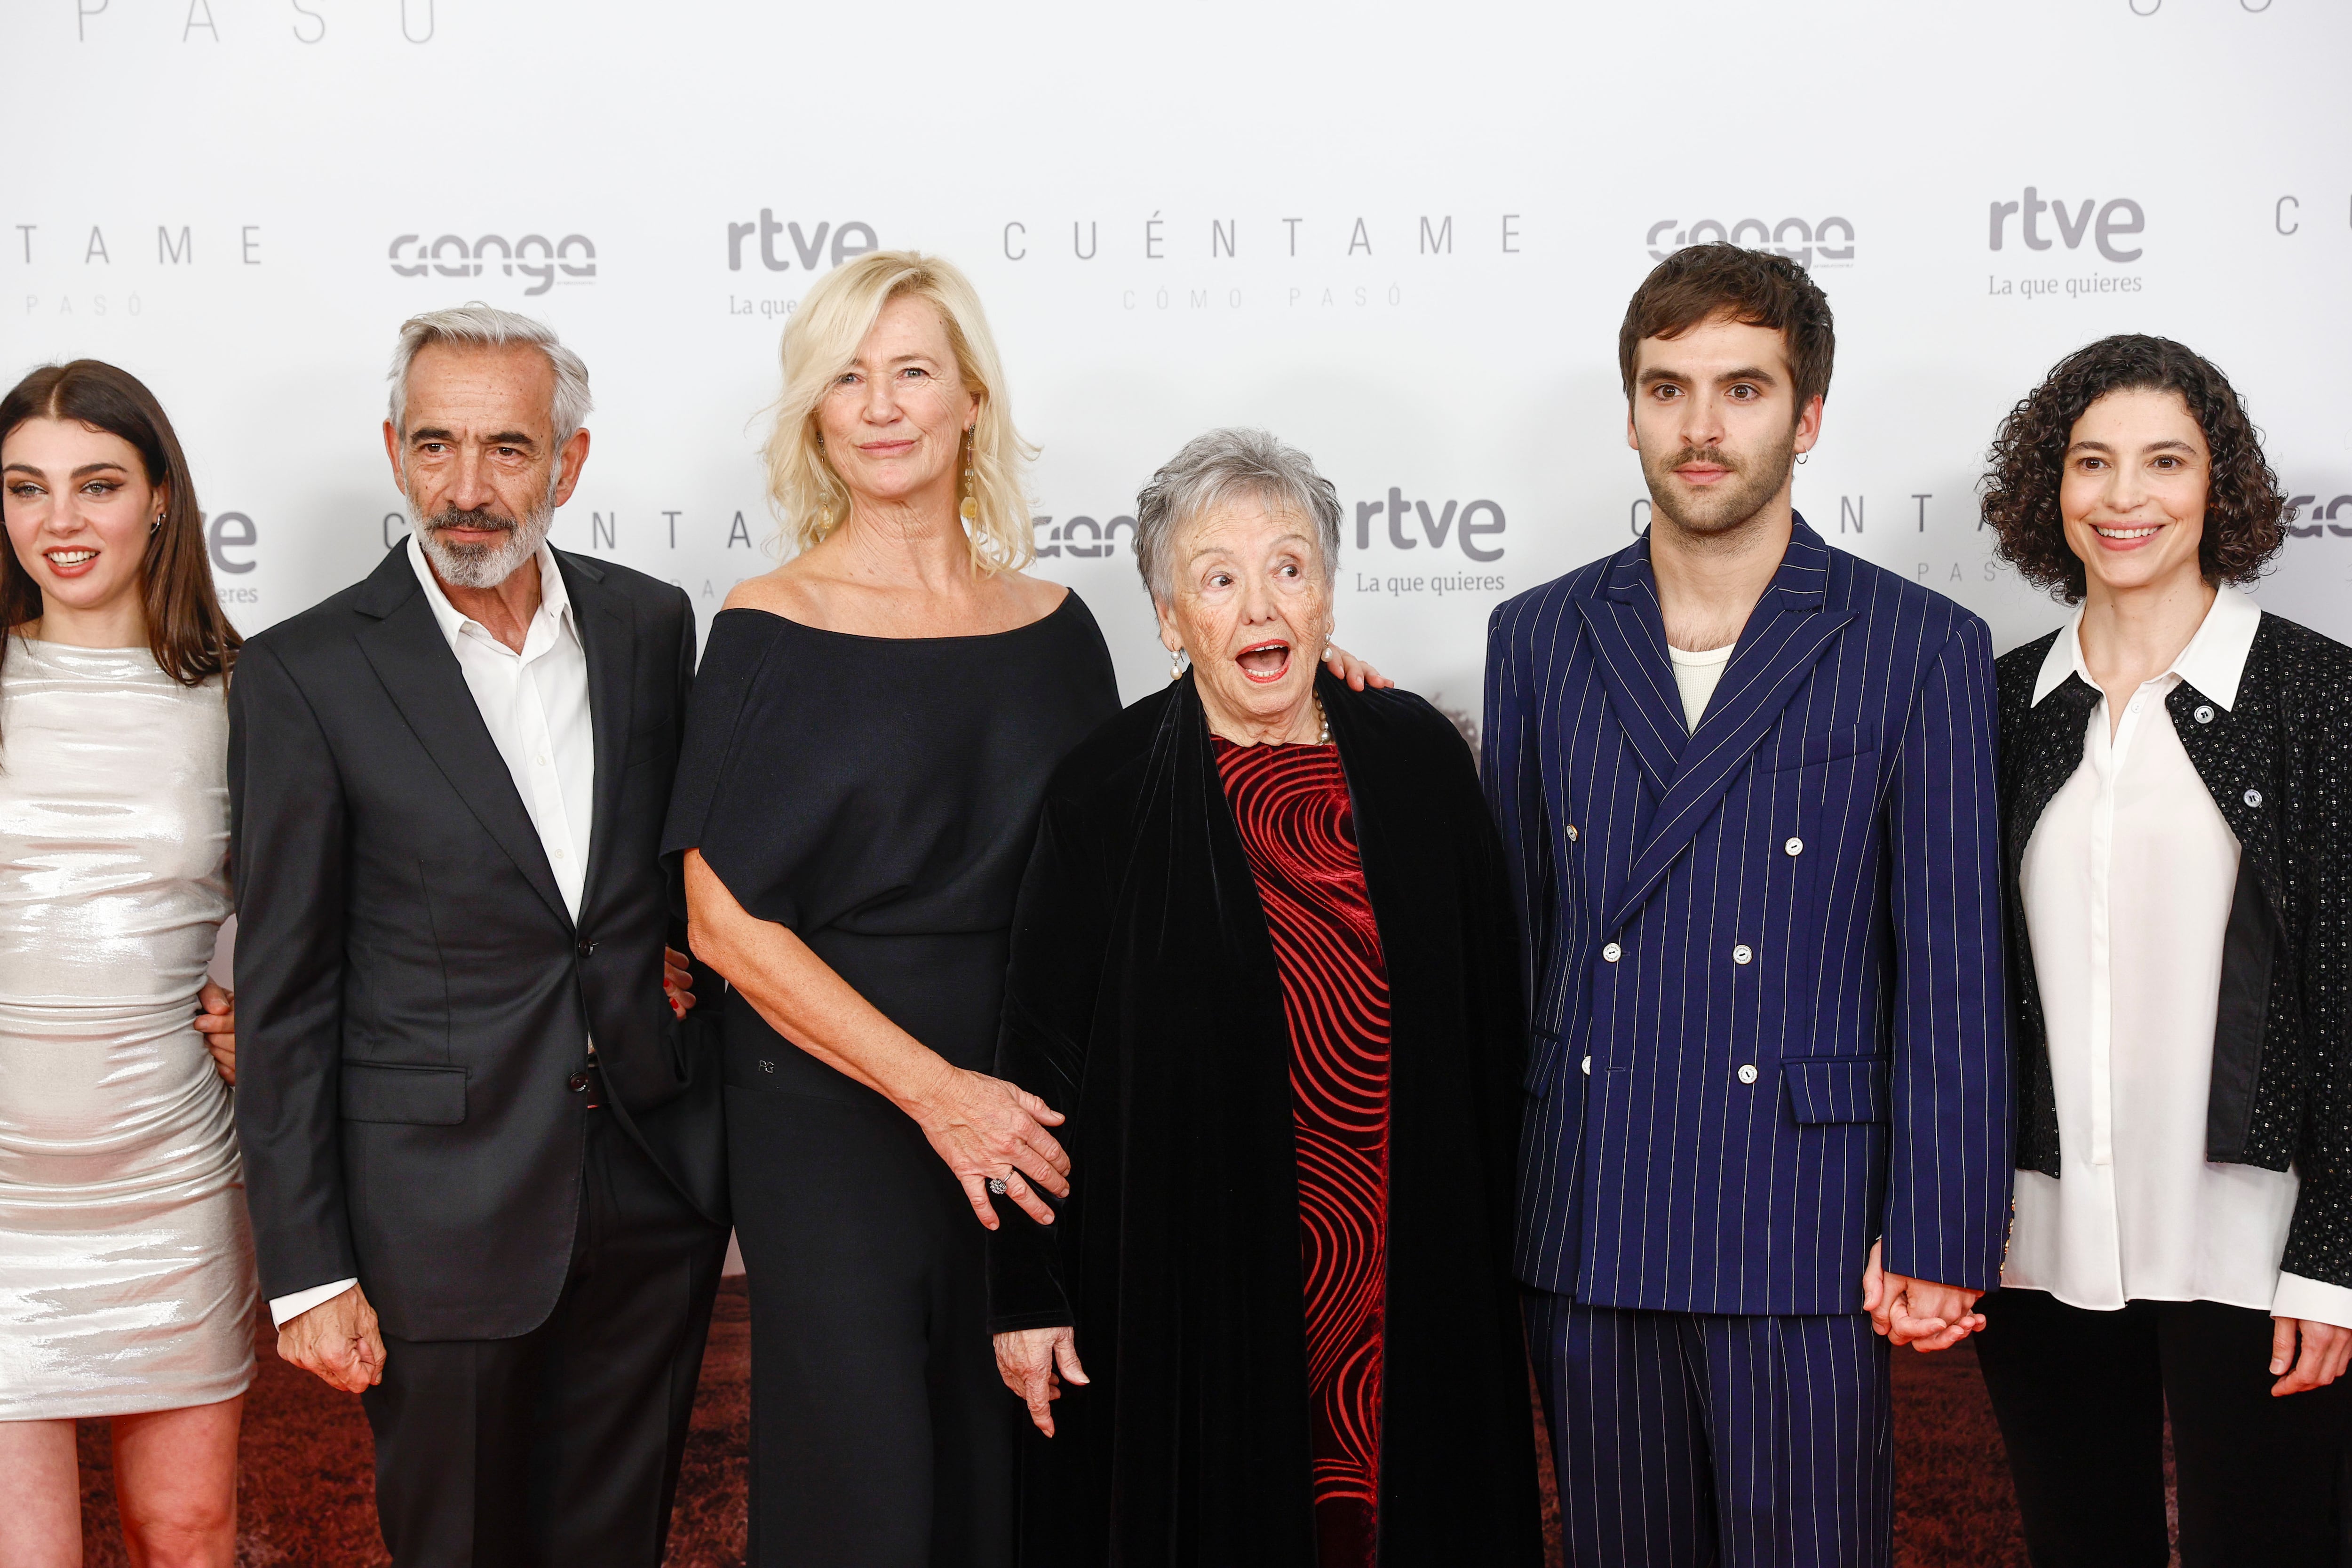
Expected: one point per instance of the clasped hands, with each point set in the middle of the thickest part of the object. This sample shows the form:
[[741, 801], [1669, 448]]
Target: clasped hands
[[1921, 1313]]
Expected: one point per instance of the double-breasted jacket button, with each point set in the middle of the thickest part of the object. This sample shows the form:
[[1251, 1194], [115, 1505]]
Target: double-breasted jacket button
[[2204, 712], [1748, 1072], [579, 1082], [1612, 954], [1742, 953], [2253, 797], [1794, 847], [1588, 1067], [1571, 833]]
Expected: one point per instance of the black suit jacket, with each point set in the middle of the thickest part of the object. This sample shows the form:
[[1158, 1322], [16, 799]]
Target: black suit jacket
[[413, 997]]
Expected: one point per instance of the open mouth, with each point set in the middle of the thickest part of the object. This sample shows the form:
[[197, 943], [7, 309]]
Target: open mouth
[[1265, 662], [2131, 535], [69, 561]]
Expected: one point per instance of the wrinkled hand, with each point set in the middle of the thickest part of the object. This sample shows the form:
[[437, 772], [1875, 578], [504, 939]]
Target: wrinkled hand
[[338, 1341], [1346, 667], [2327, 1350], [1917, 1312], [218, 1024], [678, 981], [1032, 1363], [984, 1127]]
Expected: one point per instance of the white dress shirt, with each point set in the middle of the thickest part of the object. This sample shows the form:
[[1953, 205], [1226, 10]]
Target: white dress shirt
[[2127, 882], [1695, 677], [535, 705]]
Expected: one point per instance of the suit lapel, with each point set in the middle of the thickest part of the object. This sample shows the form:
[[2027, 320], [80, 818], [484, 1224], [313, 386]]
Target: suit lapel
[[609, 635], [410, 657], [1787, 634], [1629, 641]]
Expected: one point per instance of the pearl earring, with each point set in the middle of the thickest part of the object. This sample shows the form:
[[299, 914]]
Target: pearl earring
[[1176, 665]]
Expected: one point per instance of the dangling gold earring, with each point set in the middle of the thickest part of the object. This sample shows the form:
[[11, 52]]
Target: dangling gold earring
[[971, 508]]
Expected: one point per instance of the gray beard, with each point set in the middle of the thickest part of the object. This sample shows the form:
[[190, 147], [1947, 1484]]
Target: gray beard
[[481, 565]]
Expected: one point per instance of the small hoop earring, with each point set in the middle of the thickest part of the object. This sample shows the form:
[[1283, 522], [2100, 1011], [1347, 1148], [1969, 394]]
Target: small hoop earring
[[1800, 458]]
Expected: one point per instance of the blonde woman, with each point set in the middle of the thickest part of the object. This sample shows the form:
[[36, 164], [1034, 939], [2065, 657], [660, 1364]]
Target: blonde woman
[[867, 749]]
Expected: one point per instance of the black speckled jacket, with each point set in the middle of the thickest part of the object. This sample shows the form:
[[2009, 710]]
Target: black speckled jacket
[[2279, 767]]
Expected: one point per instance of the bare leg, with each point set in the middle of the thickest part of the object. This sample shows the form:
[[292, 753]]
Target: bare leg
[[175, 1483], [40, 1495]]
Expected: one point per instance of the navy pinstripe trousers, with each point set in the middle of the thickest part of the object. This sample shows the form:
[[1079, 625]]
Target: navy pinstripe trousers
[[1686, 1439]]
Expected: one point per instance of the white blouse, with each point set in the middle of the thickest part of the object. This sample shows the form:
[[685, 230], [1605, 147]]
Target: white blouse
[[2127, 881]]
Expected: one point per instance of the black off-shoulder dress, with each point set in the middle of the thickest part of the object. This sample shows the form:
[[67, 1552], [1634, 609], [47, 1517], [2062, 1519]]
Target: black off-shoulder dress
[[879, 796]]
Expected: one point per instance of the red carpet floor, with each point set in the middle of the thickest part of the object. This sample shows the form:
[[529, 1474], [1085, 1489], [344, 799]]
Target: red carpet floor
[[308, 1488]]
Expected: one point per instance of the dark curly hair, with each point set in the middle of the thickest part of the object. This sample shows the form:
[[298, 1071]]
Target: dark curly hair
[[2245, 510]]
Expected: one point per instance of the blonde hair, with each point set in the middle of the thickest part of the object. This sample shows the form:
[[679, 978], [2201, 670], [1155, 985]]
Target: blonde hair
[[808, 498]]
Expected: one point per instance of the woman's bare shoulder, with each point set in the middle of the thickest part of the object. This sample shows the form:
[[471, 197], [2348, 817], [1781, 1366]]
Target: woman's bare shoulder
[[1036, 597], [779, 592]]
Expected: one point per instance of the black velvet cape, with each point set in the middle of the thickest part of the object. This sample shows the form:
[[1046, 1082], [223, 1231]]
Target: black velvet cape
[[1143, 1002]]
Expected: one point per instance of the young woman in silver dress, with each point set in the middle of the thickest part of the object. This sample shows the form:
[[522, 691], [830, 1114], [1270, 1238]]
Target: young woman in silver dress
[[126, 1267]]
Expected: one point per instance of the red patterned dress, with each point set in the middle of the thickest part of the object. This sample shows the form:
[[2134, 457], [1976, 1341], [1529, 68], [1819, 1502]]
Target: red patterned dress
[[1291, 805]]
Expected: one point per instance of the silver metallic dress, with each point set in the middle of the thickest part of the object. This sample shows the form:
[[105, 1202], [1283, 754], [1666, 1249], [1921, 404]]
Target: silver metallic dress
[[126, 1262]]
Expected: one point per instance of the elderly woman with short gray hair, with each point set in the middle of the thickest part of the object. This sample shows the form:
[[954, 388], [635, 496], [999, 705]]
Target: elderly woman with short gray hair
[[1264, 965]]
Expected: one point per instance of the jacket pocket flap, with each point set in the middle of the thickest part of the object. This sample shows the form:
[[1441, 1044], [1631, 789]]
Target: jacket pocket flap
[[1836, 1089], [423, 1096], [1807, 751]]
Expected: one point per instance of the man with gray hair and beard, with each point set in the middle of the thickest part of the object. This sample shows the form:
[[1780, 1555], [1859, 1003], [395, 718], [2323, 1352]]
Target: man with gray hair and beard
[[482, 1146]]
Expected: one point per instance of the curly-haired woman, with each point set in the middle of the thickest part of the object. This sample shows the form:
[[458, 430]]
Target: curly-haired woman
[[2177, 805]]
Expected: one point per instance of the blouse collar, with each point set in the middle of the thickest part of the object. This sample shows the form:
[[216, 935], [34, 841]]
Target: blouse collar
[[2213, 662]]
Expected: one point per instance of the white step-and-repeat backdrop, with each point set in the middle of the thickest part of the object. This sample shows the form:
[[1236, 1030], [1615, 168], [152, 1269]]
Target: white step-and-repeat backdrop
[[1400, 236]]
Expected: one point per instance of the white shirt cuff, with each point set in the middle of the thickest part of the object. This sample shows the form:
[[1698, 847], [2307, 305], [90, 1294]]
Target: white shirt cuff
[[2308, 1298], [284, 1309]]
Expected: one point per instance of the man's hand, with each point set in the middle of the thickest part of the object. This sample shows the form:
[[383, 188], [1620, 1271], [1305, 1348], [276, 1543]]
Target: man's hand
[[1346, 667], [218, 1024], [1032, 1363], [678, 981], [1917, 1312], [2326, 1351], [336, 1339]]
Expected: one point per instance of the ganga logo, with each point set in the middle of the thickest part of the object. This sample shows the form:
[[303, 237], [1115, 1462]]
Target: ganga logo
[[575, 257], [1811, 241], [1080, 536]]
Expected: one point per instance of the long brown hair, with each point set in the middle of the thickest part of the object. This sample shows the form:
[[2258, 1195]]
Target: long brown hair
[[187, 632]]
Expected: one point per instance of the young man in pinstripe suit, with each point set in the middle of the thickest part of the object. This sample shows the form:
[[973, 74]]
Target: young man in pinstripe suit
[[1746, 783]]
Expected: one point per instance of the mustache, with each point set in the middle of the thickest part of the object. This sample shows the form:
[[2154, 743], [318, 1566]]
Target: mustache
[[1714, 455], [475, 519]]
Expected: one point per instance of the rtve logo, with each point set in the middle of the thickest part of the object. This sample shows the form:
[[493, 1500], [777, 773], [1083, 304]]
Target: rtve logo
[[2120, 216], [810, 247], [1812, 241], [574, 255]]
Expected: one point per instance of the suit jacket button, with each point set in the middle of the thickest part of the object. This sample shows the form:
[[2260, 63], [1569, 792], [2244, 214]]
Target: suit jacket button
[[2204, 712], [1741, 955], [1748, 1072], [579, 1082], [1613, 952], [587, 946], [1571, 833], [1794, 847], [1588, 1067], [2253, 797]]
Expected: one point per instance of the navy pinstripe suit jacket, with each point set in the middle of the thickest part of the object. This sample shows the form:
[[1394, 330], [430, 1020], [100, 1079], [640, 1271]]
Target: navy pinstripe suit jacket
[[1764, 958]]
